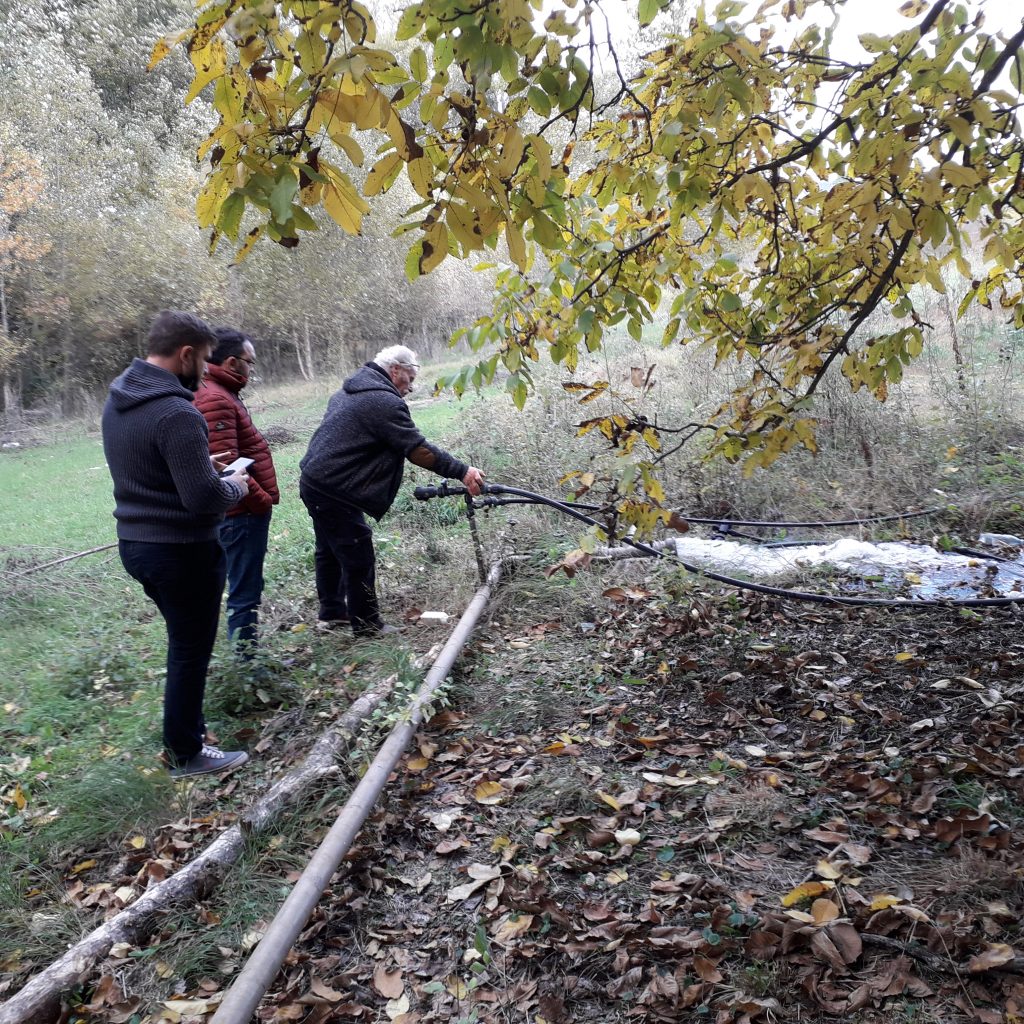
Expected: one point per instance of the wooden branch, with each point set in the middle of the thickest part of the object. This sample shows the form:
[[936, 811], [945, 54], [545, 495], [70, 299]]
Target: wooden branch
[[39, 1000], [61, 561], [933, 961]]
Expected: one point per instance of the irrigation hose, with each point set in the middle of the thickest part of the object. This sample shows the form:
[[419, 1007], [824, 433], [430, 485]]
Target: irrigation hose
[[447, 490]]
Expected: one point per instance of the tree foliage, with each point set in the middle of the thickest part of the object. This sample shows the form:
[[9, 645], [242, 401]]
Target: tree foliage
[[112, 237], [774, 197]]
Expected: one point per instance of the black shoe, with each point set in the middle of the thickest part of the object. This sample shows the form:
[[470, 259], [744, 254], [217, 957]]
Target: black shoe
[[210, 760], [376, 631], [327, 625]]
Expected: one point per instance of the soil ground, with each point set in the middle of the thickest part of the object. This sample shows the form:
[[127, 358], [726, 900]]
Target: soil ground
[[709, 807]]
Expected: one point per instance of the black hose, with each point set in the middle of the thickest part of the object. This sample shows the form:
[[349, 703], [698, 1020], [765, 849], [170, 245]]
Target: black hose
[[819, 525], [446, 489]]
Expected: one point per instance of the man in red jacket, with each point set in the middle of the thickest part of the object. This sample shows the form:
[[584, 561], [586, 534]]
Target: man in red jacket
[[246, 527]]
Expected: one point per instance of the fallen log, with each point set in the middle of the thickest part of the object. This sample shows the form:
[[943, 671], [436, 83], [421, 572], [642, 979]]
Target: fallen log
[[39, 1000]]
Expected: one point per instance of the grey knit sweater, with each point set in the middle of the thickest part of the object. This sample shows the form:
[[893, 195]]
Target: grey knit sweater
[[155, 442], [358, 452]]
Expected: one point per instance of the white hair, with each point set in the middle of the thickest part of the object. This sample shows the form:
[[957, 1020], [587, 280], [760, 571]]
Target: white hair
[[395, 355]]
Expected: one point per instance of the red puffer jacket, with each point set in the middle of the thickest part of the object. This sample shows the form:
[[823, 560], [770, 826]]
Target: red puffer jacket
[[232, 430]]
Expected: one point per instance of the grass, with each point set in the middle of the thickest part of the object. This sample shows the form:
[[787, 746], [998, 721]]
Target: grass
[[84, 652]]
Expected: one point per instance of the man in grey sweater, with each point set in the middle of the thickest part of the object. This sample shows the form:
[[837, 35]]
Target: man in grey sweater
[[353, 468], [169, 502]]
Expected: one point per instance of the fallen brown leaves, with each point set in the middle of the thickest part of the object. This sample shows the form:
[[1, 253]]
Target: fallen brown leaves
[[782, 819], [753, 811]]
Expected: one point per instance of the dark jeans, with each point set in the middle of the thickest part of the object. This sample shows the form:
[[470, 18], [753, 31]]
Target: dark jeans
[[244, 538], [185, 581], [346, 576]]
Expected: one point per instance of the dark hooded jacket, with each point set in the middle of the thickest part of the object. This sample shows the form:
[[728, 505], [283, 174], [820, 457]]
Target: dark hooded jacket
[[157, 449], [357, 455]]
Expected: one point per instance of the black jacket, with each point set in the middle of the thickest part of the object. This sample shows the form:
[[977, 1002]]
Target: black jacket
[[358, 452], [155, 443]]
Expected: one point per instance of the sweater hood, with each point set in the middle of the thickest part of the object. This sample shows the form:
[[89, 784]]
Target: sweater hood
[[369, 377], [144, 382], [232, 382]]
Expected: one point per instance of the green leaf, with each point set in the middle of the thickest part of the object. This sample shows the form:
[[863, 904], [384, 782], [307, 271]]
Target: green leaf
[[538, 100], [282, 196], [231, 215], [648, 11], [729, 302], [410, 22], [412, 260], [418, 64]]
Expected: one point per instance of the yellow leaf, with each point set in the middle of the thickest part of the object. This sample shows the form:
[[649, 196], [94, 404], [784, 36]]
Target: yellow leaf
[[511, 153], [19, 799], [827, 870], [333, 108], [404, 138], [381, 174], [435, 247], [516, 245], [348, 145], [616, 876], [463, 224], [488, 793], [457, 987], [421, 175], [904, 656], [512, 928], [372, 109], [210, 62], [83, 865], [609, 800], [163, 47], [137, 842], [805, 891], [345, 206], [211, 198], [417, 764], [883, 901]]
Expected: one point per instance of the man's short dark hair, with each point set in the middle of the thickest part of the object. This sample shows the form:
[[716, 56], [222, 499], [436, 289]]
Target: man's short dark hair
[[229, 343], [173, 329]]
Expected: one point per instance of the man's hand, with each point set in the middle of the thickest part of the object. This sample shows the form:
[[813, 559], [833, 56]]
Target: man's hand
[[240, 476], [474, 480], [221, 461]]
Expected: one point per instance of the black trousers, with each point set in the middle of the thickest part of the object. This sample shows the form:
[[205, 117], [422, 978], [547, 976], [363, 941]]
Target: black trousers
[[346, 567], [185, 582]]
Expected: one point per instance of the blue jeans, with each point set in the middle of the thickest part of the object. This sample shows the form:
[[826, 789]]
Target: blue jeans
[[185, 582], [244, 538]]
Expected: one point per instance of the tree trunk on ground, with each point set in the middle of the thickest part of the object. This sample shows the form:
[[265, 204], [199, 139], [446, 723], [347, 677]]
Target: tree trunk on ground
[[40, 999]]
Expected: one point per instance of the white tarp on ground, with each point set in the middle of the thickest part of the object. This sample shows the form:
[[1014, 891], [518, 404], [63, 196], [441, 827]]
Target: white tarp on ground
[[917, 569]]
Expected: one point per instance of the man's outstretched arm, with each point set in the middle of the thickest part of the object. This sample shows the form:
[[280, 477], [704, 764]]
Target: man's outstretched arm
[[440, 462]]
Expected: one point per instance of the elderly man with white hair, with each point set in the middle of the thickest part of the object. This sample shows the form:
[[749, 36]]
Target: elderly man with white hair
[[353, 468]]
